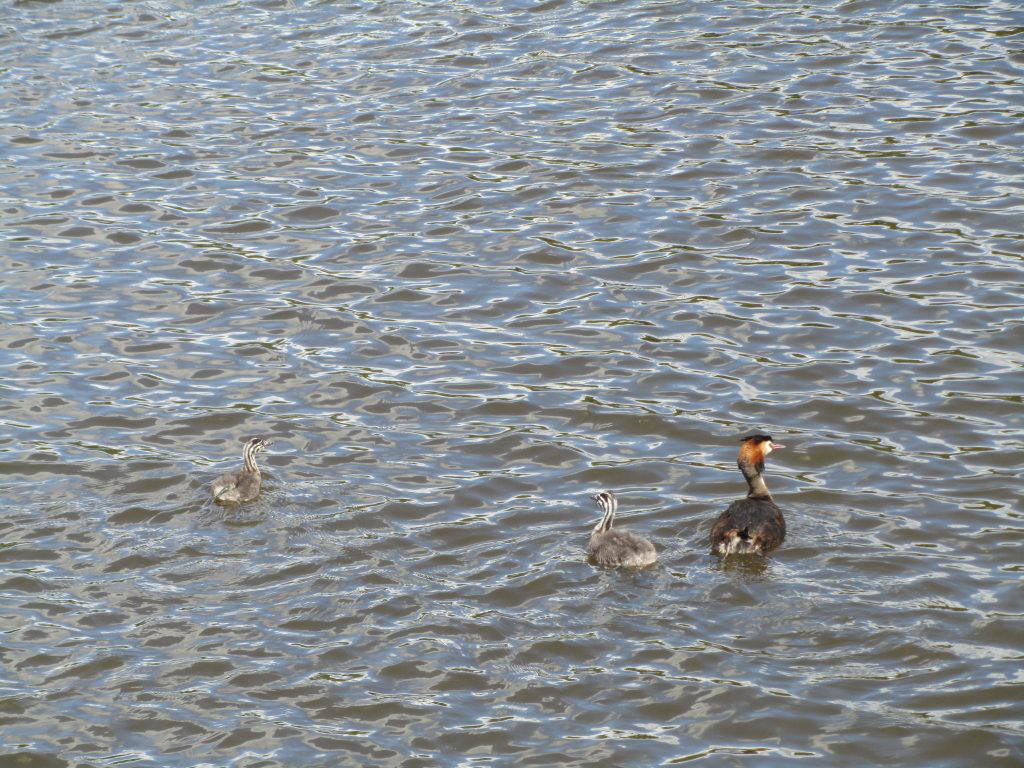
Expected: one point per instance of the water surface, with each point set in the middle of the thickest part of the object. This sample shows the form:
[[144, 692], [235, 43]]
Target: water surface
[[467, 264]]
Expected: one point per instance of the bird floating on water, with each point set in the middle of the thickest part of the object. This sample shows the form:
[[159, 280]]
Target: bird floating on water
[[239, 487], [613, 547], [754, 524]]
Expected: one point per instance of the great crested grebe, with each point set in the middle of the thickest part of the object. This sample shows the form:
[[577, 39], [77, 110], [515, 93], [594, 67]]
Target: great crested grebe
[[613, 547], [753, 524], [242, 486]]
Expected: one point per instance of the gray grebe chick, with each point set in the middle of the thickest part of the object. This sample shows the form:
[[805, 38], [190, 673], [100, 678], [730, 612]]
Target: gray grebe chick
[[754, 524], [242, 486], [613, 547]]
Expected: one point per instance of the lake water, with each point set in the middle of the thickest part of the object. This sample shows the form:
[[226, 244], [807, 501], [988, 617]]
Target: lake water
[[466, 264]]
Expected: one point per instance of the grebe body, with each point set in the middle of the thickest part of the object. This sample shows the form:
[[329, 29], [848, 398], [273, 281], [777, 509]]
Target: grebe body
[[243, 486], [614, 547], [755, 524]]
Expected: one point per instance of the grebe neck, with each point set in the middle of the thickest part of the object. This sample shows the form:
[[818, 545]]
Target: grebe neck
[[609, 505], [755, 480], [249, 456]]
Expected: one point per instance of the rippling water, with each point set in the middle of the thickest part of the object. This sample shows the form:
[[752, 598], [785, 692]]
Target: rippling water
[[466, 264]]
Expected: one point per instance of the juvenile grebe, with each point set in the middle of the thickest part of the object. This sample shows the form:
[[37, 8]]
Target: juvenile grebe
[[753, 524], [614, 547], [245, 485]]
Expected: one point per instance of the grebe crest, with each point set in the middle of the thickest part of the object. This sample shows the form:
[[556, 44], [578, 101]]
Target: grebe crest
[[754, 524], [614, 547], [239, 487]]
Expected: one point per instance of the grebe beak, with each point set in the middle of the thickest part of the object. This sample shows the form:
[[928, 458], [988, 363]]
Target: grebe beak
[[777, 445]]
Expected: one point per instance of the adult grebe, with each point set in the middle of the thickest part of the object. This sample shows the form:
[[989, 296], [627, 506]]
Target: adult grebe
[[614, 547], [242, 486], [753, 524]]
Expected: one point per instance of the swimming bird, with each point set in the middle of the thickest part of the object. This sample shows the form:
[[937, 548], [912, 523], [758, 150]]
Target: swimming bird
[[241, 486], [753, 524], [615, 547]]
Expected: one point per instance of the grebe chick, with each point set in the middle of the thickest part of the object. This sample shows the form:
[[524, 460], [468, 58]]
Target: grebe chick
[[754, 524], [241, 486], [614, 547]]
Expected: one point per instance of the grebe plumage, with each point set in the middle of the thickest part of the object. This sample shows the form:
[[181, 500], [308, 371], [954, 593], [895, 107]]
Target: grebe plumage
[[614, 547], [239, 487], [754, 524]]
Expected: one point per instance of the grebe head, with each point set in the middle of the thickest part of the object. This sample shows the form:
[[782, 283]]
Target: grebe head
[[257, 444], [754, 448]]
